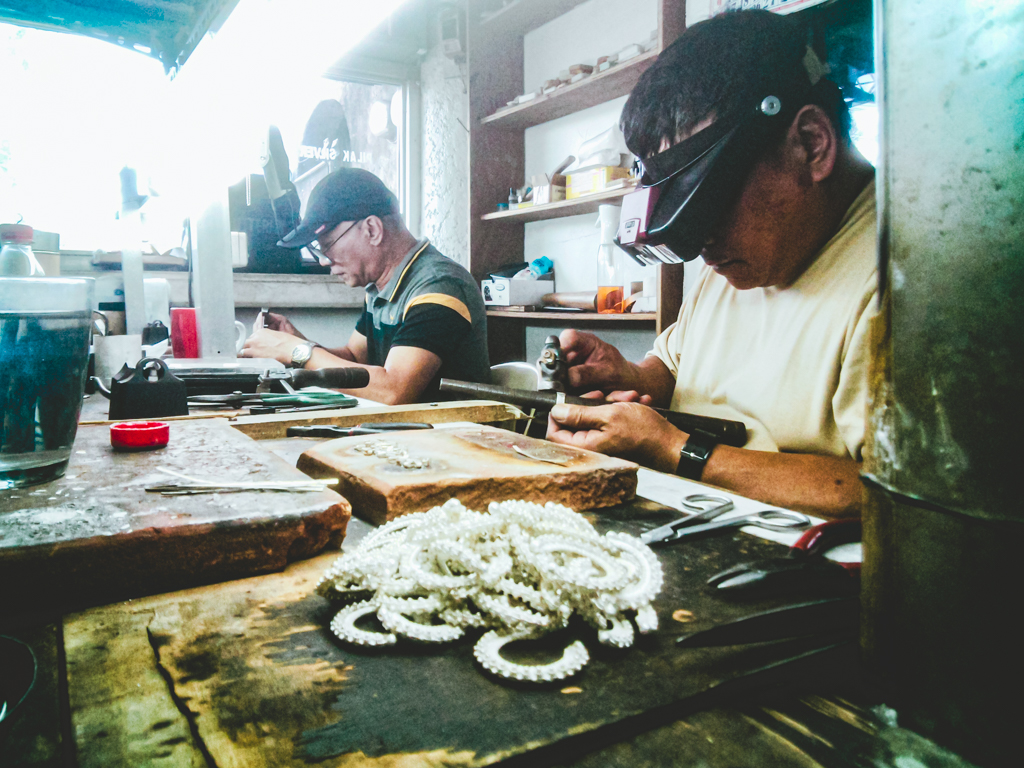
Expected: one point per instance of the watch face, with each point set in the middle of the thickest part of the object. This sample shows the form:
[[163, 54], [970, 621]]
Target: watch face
[[301, 354]]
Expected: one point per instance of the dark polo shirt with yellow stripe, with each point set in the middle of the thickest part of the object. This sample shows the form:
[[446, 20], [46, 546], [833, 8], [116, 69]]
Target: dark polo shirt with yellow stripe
[[432, 303]]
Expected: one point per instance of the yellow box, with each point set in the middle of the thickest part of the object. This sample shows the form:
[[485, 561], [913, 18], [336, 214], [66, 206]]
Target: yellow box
[[592, 180]]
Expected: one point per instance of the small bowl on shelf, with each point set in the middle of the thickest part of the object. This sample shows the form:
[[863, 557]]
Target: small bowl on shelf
[[139, 435]]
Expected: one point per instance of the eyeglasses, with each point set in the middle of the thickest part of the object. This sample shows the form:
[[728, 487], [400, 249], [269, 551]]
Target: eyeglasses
[[321, 253]]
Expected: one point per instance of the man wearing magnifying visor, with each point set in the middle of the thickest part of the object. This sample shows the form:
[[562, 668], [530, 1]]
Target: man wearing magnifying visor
[[749, 165]]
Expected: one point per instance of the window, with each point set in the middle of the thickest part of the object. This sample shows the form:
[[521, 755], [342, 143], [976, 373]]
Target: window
[[349, 124], [78, 110]]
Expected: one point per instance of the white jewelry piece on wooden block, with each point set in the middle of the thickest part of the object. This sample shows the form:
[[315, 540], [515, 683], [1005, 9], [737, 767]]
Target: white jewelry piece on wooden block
[[521, 568]]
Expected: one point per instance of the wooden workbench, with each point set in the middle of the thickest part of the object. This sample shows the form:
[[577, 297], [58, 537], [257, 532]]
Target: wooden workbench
[[246, 673]]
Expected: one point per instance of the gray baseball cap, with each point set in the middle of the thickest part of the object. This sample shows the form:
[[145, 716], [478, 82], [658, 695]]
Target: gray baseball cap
[[347, 194]]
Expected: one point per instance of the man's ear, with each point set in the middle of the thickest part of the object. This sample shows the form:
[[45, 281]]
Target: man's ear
[[817, 139], [375, 228]]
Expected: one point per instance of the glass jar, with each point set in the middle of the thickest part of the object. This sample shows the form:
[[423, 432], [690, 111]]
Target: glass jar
[[16, 257]]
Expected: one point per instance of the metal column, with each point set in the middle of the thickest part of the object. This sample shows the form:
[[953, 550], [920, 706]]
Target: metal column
[[944, 519]]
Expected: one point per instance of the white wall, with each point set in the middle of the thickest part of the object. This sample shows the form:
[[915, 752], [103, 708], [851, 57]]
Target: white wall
[[445, 156], [698, 10], [590, 30]]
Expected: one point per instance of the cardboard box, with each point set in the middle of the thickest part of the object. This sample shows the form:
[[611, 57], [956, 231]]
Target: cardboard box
[[505, 292], [592, 180], [548, 193]]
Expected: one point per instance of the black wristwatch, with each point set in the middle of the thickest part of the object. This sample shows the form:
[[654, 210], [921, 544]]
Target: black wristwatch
[[695, 454]]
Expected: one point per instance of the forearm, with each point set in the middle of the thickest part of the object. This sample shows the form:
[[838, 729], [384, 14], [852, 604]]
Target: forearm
[[389, 384], [344, 353], [651, 377], [823, 485], [828, 486]]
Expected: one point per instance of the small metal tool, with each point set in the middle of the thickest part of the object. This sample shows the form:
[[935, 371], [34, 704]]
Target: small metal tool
[[552, 367], [804, 568], [561, 461], [827, 617], [726, 432], [772, 519], [192, 486], [331, 430], [257, 325], [705, 507]]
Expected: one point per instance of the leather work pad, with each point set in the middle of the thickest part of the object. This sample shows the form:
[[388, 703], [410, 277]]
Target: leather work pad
[[476, 465]]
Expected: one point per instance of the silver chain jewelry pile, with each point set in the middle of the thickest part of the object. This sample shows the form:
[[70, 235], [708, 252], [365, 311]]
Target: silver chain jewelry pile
[[519, 570], [392, 454]]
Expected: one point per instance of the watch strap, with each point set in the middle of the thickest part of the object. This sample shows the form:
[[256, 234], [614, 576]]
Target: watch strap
[[695, 454]]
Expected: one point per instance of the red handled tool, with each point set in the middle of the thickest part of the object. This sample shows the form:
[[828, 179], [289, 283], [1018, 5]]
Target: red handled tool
[[804, 568]]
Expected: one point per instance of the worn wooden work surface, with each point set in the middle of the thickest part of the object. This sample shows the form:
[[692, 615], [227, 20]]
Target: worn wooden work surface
[[476, 464], [96, 535], [475, 411], [247, 674]]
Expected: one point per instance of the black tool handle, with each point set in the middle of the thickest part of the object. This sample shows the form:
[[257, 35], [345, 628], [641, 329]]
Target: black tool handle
[[349, 377], [328, 430], [727, 432]]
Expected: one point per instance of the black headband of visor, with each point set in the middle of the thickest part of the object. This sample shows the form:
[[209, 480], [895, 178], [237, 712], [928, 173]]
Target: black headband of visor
[[699, 179]]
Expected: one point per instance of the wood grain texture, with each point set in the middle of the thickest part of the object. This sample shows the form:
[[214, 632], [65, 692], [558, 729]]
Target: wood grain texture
[[275, 426], [31, 735], [588, 92], [556, 210], [260, 681], [122, 712], [475, 465], [96, 535]]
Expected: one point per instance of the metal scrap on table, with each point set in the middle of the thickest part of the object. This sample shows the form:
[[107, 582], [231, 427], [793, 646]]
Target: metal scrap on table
[[193, 486]]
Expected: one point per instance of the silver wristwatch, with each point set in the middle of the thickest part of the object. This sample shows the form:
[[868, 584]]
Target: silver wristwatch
[[301, 354]]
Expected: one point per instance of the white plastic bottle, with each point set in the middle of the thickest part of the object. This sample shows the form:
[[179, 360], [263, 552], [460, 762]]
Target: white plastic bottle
[[16, 257]]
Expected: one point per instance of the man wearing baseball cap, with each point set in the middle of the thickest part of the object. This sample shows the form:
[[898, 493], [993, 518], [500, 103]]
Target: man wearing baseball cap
[[747, 156], [423, 318]]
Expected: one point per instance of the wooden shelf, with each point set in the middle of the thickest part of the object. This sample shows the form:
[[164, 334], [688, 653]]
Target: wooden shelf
[[587, 204], [577, 317], [588, 92], [520, 16]]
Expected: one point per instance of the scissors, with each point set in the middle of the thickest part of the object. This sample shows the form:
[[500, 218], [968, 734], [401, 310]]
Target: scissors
[[710, 507]]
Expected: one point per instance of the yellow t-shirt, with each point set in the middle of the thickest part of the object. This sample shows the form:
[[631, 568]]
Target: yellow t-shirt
[[791, 363]]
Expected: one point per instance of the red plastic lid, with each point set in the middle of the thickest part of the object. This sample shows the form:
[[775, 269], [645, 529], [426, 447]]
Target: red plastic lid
[[139, 435], [16, 233]]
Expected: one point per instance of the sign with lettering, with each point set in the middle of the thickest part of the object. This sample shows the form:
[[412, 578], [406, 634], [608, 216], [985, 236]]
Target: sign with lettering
[[331, 152]]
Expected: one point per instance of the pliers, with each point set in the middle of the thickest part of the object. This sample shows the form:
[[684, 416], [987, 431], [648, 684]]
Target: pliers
[[804, 568]]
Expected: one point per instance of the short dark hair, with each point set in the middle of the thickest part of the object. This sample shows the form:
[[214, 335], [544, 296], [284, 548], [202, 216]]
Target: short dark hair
[[719, 67]]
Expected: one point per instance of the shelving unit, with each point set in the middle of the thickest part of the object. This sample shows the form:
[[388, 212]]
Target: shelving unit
[[588, 204], [497, 153], [588, 92], [586, 317]]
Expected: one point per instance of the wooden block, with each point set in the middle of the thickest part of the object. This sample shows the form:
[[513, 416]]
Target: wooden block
[[476, 465], [95, 535]]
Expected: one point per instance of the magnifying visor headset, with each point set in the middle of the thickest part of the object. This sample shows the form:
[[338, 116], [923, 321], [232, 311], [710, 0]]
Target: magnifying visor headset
[[687, 190]]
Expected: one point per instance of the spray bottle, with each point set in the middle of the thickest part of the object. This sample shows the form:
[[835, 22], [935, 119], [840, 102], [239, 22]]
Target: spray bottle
[[610, 269]]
